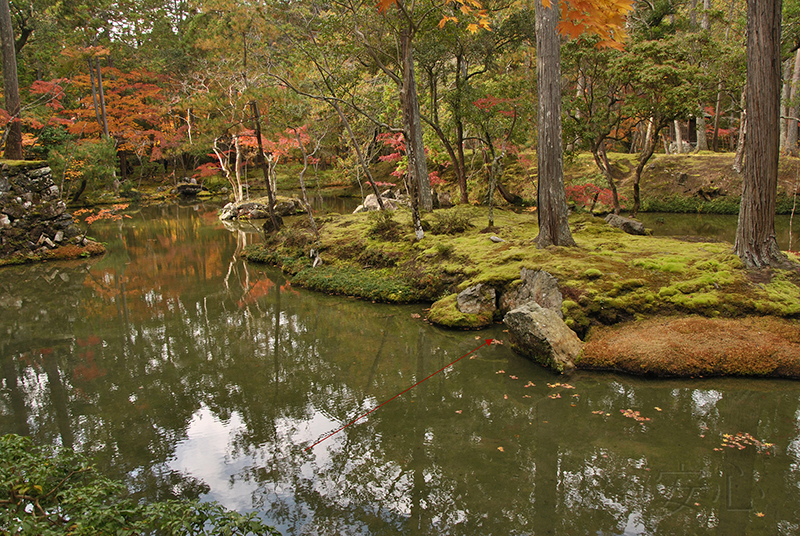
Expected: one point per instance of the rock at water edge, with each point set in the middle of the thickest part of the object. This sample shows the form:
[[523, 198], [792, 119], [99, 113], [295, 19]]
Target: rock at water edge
[[477, 299], [541, 335]]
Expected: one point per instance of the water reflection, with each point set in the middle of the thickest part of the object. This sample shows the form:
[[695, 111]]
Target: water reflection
[[716, 226], [188, 372]]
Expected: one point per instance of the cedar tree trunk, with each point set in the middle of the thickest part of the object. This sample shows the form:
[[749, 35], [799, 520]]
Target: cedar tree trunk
[[551, 197], [755, 233], [13, 149]]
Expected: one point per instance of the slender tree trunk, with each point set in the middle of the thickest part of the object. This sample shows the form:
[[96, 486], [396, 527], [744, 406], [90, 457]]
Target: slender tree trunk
[[257, 120], [678, 137], [601, 159], [785, 92], [644, 157], [303, 185], [13, 149], [738, 159], [102, 97], [551, 198], [792, 112], [359, 155], [415, 146], [755, 233]]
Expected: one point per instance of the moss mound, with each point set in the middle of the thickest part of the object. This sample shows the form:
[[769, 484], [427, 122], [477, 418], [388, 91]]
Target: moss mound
[[696, 346]]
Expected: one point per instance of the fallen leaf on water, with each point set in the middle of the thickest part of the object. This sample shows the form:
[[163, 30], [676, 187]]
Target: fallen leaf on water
[[459, 411], [476, 338], [415, 315], [530, 384], [500, 372], [576, 395], [500, 449], [513, 377], [657, 408], [554, 395], [598, 412], [505, 397], [760, 514], [526, 396]]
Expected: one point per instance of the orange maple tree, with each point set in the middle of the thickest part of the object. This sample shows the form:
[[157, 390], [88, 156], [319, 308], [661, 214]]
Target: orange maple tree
[[604, 18]]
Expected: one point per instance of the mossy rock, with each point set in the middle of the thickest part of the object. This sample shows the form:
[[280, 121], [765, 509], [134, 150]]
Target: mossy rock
[[445, 313]]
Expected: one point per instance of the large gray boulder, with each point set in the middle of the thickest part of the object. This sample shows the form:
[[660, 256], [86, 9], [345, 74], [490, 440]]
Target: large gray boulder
[[540, 334], [477, 299], [626, 224], [537, 286]]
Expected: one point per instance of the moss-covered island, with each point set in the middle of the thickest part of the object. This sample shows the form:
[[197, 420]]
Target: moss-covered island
[[645, 305]]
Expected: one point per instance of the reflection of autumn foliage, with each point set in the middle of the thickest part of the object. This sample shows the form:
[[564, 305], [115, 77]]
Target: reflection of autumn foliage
[[257, 290], [164, 263], [88, 369]]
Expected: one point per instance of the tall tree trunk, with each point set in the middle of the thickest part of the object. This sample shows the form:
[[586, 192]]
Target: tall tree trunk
[[792, 112], [785, 96], [412, 123], [551, 197], [702, 140], [755, 233], [13, 149]]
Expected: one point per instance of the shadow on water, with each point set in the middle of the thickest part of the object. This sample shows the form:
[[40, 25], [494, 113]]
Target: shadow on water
[[184, 370]]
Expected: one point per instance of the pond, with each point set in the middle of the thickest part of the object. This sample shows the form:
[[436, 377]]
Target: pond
[[187, 372]]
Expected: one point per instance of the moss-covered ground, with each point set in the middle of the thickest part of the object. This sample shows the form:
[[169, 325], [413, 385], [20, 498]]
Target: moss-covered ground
[[611, 278]]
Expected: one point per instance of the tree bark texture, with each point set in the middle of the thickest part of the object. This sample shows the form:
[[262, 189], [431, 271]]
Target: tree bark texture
[[415, 146], [13, 150], [793, 108], [551, 197], [755, 232]]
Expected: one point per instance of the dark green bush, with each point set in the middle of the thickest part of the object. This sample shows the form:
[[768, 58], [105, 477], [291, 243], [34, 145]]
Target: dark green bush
[[46, 491]]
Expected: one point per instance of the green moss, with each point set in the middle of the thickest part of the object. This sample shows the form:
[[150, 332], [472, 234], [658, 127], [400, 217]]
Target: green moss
[[445, 313], [592, 273], [367, 284]]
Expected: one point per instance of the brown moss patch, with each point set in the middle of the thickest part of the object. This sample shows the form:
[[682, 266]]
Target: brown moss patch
[[697, 346], [68, 252]]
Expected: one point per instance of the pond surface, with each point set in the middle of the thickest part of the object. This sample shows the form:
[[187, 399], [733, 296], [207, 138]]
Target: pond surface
[[716, 226], [187, 372]]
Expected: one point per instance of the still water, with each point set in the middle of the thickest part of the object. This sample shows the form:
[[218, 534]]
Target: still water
[[187, 372]]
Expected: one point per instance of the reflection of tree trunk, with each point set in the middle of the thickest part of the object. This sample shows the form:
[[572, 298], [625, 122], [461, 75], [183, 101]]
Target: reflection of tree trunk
[[420, 517], [735, 509], [545, 494], [58, 398], [374, 368], [18, 407]]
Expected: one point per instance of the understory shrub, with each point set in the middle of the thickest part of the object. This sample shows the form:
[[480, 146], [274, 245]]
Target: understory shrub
[[53, 491]]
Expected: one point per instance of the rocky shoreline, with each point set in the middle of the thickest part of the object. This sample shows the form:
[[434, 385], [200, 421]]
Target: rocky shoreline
[[612, 283], [34, 222]]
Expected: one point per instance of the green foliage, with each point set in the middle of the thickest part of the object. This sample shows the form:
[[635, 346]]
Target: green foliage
[[383, 225], [451, 222], [47, 491], [372, 285]]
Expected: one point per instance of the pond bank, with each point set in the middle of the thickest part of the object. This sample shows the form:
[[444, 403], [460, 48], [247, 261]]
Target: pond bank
[[611, 279]]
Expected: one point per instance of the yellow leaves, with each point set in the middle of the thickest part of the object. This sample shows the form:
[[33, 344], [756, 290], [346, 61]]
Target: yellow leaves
[[501, 449], [760, 514], [604, 18], [469, 8]]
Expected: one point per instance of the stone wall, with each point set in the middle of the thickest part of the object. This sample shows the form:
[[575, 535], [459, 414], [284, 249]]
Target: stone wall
[[33, 218]]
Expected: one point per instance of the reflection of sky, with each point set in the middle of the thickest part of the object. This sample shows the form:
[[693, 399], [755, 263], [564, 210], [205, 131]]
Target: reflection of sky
[[205, 455]]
